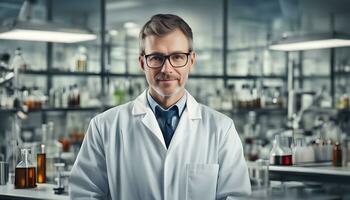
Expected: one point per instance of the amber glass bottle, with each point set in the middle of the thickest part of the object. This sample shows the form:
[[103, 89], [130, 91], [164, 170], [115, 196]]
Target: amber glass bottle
[[337, 155], [41, 165]]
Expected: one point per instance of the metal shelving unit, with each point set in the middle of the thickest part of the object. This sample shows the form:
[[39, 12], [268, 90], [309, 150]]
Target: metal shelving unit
[[104, 74], [257, 110], [50, 109], [58, 73], [196, 76]]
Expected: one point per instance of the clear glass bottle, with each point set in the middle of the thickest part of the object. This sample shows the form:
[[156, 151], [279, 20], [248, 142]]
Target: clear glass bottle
[[25, 173], [81, 59], [302, 153], [281, 153], [18, 61]]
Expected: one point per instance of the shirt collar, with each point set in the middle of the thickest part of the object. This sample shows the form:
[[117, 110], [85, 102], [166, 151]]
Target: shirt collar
[[181, 103]]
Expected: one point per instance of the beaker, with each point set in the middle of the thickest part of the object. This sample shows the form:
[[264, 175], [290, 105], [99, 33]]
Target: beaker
[[25, 173], [281, 153]]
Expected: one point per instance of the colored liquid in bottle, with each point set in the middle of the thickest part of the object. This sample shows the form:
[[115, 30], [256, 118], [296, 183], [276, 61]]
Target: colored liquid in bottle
[[25, 177], [283, 160], [41, 168]]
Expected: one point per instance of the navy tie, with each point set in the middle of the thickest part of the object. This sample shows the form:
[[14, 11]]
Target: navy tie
[[164, 119]]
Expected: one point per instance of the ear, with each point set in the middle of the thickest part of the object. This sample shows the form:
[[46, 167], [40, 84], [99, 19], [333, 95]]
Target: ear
[[192, 59], [141, 63]]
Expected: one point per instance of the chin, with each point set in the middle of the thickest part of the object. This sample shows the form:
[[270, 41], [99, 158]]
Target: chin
[[167, 92]]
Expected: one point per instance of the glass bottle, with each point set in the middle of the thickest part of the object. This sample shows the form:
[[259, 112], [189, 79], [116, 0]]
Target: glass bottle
[[25, 174], [41, 165], [281, 153], [337, 155], [81, 59], [18, 61]]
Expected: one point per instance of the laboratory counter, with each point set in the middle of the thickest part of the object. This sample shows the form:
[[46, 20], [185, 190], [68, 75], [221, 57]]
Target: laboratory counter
[[42, 191], [317, 173], [288, 191], [285, 176]]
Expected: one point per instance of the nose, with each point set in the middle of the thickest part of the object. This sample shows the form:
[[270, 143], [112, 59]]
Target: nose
[[167, 68]]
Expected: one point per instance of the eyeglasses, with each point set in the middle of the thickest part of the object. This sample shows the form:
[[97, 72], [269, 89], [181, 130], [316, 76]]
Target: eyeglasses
[[176, 60]]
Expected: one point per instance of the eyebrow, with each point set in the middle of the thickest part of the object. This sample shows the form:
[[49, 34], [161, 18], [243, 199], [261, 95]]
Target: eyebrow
[[161, 53]]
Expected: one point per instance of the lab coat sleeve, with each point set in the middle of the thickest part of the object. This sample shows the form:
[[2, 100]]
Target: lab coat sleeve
[[233, 177], [88, 179]]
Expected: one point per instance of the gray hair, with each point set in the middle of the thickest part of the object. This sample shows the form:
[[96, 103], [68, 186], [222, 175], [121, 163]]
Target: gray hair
[[162, 24]]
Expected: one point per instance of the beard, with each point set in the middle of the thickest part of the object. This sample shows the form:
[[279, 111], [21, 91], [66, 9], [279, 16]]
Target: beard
[[166, 76]]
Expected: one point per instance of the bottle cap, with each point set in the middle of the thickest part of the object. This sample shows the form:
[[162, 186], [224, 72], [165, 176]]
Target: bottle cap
[[42, 147]]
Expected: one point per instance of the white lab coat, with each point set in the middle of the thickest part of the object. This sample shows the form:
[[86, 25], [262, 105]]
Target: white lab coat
[[124, 156]]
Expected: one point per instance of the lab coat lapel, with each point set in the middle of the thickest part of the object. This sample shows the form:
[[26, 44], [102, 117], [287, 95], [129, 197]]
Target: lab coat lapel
[[141, 107], [187, 123]]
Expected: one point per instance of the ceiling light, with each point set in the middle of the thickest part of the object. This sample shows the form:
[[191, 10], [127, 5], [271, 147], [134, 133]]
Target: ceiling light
[[113, 32], [311, 41], [130, 25], [42, 31], [24, 28]]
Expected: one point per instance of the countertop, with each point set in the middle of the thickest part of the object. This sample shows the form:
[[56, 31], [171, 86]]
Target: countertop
[[42, 191], [323, 174], [325, 170]]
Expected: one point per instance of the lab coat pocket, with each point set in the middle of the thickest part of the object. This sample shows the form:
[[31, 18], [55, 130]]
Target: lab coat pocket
[[201, 181]]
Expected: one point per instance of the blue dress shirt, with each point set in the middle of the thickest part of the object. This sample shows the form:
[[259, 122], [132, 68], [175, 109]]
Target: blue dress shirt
[[179, 105]]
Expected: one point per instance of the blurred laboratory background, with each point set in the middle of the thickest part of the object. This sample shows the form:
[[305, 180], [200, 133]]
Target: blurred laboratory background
[[279, 68]]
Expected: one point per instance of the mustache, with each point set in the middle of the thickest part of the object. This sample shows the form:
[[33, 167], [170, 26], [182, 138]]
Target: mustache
[[167, 76]]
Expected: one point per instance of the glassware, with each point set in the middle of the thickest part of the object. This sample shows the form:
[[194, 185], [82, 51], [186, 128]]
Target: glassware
[[281, 153], [81, 59], [18, 61], [25, 174], [41, 164], [4, 172], [259, 174], [302, 153], [337, 155]]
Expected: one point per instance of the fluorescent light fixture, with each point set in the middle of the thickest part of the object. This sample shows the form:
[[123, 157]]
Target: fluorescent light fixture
[[43, 31], [130, 25], [311, 41], [113, 32]]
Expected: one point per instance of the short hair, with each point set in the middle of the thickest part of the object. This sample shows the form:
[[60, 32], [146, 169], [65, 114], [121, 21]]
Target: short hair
[[162, 24]]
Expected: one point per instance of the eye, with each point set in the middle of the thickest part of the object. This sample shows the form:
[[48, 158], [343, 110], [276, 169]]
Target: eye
[[156, 58], [178, 57]]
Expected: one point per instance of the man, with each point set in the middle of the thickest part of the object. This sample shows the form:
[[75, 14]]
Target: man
[[162, 145]]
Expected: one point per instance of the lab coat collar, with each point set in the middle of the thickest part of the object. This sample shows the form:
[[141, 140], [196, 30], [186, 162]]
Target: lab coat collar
[[141, 106]]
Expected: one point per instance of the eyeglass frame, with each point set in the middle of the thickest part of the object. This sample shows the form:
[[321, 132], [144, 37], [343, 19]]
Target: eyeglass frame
[[167, 57]]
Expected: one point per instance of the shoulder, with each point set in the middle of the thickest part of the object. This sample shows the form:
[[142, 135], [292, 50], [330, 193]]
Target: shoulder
[[212, 114], [215, 118], [113, 113]]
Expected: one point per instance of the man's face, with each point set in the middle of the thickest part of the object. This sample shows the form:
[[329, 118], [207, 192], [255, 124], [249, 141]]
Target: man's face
[[167, 81]]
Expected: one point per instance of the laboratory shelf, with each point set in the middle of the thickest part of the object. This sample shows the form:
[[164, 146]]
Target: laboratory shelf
[[5, 69], [139, 75], [52, 109], [199, 76], [58, 73], [247, 77], [257, 110], [343, 74], [7, 110], [313, 77], [134, 75]]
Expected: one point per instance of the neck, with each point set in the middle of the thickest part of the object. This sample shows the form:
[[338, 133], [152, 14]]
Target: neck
[[166, 101]]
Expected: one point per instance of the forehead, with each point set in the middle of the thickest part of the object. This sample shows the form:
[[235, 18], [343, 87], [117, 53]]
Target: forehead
[[171, 42]]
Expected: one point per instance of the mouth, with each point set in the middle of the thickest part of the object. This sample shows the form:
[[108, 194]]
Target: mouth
[[166, 80]]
